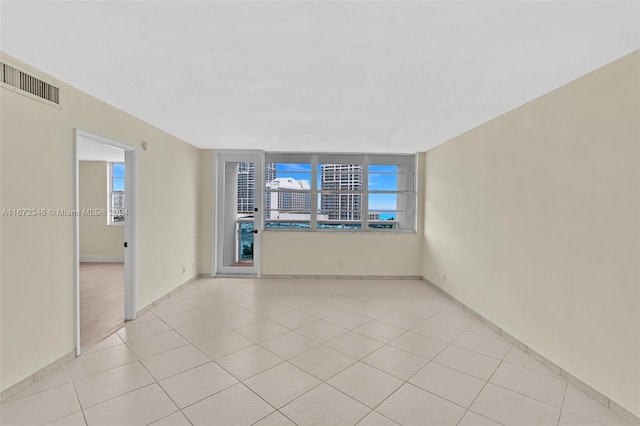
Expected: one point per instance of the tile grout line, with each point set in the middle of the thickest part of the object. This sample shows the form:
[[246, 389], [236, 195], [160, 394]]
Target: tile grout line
[[564, 397], [285, 416], [319, 384], [433, 360], [156, 382], [265, 401], [384, 344], [169, 415], [84, 417], [526, 396], [203, 398], [117, 396], [483, 387], [404, 382], [236, 378], [139, 360]]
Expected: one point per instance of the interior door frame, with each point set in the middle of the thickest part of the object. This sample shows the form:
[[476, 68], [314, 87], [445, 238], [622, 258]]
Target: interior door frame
[[130, 227], [219, 159]]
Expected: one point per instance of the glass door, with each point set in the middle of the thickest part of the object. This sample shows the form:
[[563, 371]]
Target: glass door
[[239, 213]]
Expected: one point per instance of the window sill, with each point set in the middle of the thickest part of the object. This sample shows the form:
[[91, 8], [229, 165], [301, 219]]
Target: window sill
[[345, 231]]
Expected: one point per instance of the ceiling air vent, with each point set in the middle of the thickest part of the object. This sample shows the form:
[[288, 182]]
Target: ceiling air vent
[[21, 82]]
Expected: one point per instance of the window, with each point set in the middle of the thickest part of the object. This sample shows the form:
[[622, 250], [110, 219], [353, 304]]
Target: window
[[288, 192], [340, 192], [116, 194], [391, 192]]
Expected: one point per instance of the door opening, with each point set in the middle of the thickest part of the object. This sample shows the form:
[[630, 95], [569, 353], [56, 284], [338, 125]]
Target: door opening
[[238, 216], [104, 228]]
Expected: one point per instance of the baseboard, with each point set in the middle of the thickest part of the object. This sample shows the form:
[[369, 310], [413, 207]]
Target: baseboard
[[319, 277], [164, 297], [569, 377], [343, 277], [235, 276], [44, 371], [102, 259]]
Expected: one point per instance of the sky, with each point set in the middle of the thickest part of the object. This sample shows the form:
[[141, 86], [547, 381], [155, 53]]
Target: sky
[[118, 176], [381, 178]]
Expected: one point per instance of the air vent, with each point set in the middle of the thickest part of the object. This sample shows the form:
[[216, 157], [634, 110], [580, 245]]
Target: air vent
[[27, 84]]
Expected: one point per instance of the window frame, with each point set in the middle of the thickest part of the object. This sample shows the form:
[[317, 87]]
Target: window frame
[[314, 160], [110, 192]]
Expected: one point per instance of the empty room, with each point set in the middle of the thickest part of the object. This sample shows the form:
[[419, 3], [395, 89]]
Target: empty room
[[320, 213]]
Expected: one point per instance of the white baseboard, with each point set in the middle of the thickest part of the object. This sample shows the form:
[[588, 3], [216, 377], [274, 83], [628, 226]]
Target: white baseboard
[[341, 277], [162, 298], [105, 259]]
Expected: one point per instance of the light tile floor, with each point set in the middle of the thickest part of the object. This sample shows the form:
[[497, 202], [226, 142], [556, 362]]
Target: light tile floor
[[305, 352]]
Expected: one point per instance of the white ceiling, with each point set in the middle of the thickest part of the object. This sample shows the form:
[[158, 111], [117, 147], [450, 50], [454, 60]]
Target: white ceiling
[[318, 76]]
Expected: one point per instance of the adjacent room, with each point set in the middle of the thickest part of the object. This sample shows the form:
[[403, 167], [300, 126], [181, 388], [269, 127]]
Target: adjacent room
[[101, 193], [320, 213]]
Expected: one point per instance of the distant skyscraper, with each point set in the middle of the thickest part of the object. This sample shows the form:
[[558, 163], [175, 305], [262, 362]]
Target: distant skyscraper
[[341, 178], [271, 171], [247, 185]]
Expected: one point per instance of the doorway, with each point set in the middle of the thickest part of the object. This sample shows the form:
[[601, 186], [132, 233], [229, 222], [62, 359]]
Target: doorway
[[239, 204], [104, 227]]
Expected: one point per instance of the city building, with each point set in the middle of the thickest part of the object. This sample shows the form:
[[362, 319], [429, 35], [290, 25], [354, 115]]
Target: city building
[[247, 185], [337, 182], [288, 196]]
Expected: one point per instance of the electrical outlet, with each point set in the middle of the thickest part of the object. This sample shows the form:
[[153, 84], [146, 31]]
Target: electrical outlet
[[184, 269], [444, 277]]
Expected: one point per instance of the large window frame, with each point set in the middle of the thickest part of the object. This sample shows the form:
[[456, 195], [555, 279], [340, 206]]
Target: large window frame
[[113, 218], [352, 196]]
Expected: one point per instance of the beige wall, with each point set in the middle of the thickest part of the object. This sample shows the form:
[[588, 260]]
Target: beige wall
[[97, 239], [534, 219], [37, 166], [318, 253]]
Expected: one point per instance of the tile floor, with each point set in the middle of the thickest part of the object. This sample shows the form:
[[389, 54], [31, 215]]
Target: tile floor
[[305, 352]]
